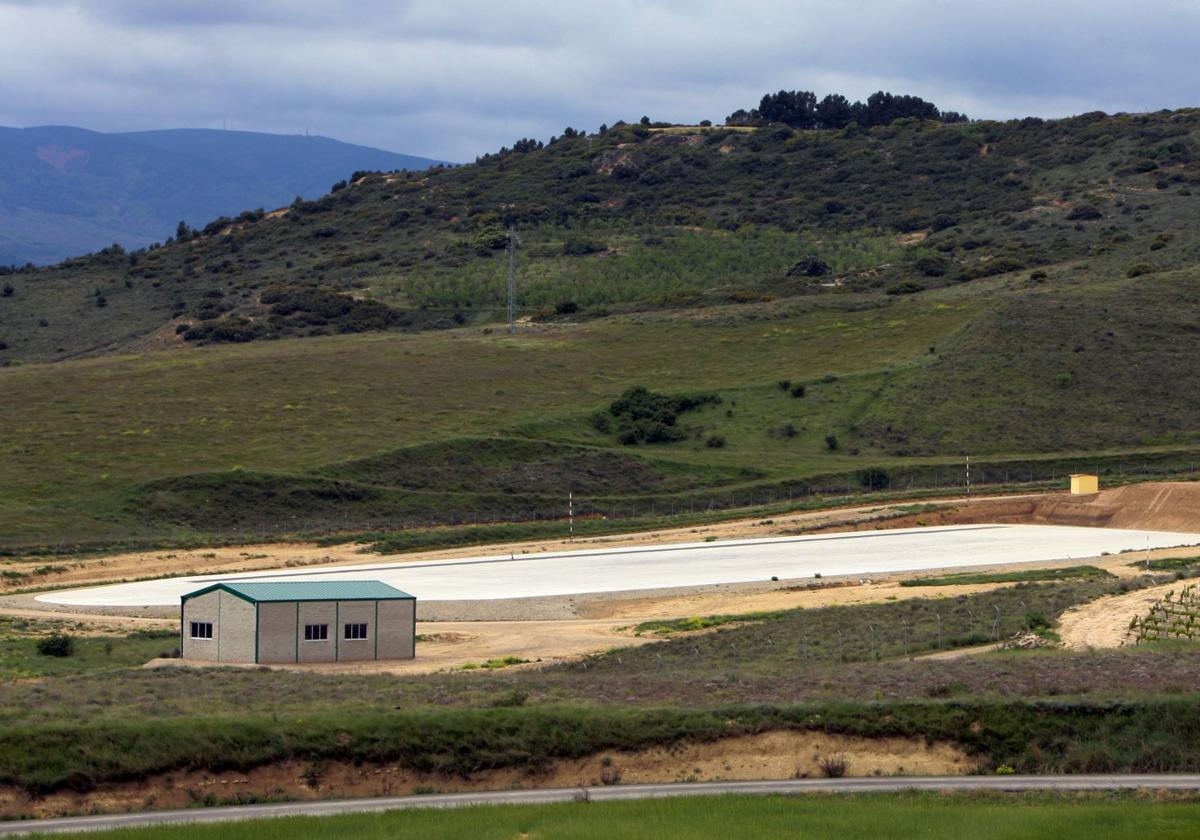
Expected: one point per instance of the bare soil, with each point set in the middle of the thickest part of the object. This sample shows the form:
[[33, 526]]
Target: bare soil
[[1154, 506], [1104, 623], [770, 755]]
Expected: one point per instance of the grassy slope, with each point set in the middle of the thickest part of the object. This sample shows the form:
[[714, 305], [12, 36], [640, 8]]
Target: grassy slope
[[78, 435], [1084, 361], [733, 818]]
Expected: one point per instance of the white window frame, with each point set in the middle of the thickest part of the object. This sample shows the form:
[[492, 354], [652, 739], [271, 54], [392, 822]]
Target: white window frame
[[366, 632], [321, 633], [199, 625]]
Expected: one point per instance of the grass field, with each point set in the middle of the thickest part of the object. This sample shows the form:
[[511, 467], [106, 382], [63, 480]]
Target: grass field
[[1016, 576], [78, 436], [303, 436], [20, 659], [1010, 817]]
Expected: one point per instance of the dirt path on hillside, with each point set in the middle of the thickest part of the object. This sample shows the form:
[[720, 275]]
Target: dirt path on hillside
[[1103, 623]]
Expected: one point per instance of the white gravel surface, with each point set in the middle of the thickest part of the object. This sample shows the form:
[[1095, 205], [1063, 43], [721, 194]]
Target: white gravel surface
[[860, 553]]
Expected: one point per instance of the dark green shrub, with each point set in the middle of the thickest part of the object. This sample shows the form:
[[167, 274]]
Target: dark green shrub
[[810, 266], [1036, 620], [582, 247], [875, 478], [7, 291], [931, 266], [990, 268], [1085, 213], [798, 391], [642, 416], [715, 441], [906, 287], [58, 644], [831, 443], [784, 384], [1138, 269]]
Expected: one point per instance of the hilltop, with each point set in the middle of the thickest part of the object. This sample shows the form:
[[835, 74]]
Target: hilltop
[[817, 310], [65, 191]]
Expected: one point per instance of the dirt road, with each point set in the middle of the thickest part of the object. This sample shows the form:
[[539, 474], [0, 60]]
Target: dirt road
[[1103, 623]]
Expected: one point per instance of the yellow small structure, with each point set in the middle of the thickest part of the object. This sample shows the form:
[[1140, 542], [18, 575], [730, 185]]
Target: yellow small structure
[[1084, 483]]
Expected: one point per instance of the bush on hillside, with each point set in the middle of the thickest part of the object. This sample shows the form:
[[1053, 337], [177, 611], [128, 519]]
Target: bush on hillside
[[875, 478], [59, 644], [642, 416], [1084, 213], [989, 268], [905, 287], [582, 247], [810, 266], [931, 266]]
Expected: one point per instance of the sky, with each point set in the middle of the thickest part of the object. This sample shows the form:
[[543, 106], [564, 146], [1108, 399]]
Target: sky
[[452, 79]]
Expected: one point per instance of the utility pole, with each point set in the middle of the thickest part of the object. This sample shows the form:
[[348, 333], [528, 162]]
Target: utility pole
[[512, 276]]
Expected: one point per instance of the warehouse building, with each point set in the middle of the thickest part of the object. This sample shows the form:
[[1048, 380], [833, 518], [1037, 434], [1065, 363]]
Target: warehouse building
[[318, 621]]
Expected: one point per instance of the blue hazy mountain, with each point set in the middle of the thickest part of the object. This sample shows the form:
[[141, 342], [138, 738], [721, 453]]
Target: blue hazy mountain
[[66, 191]]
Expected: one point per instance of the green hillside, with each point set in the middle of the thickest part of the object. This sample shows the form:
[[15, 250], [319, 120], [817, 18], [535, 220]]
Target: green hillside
[[1022, 292]]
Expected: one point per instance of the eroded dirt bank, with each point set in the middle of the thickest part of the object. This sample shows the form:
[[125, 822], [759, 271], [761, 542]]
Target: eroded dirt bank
[[770, 755], [1156, 506]]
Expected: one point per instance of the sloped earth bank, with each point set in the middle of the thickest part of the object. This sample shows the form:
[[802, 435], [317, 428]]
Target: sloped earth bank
[[770, 755], [1155, 506]]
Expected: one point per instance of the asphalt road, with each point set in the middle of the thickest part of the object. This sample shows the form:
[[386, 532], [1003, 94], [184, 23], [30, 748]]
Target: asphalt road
[[1015, 784], [861, 553]]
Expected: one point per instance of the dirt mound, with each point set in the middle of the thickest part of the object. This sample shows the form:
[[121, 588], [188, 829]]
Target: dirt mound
[[1161, 506], [1156, 506]]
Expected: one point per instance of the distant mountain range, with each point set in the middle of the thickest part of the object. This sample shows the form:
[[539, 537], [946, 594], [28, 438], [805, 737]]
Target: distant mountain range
[[67, 191]]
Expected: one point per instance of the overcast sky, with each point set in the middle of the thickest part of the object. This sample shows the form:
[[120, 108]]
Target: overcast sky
[[454, 78]]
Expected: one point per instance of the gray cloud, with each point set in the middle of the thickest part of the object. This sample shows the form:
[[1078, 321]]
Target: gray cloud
[[455, 79]]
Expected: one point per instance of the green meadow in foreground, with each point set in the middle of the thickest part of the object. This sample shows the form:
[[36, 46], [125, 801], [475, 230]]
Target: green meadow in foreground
[[734, 817]]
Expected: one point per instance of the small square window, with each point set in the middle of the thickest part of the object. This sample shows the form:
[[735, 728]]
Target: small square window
[[202, 630], [356, 632], [316, 632]]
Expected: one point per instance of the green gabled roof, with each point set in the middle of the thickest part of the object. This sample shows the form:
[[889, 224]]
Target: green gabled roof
[[316, 590]]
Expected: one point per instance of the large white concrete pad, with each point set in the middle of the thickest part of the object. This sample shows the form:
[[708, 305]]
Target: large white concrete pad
[[691, 564]]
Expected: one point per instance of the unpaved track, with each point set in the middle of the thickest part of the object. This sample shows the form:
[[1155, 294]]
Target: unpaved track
[[1103, 623]]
